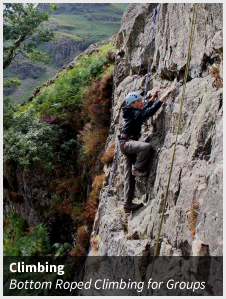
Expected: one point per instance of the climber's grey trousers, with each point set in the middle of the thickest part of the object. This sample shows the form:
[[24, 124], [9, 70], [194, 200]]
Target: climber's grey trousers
[[137, 153]]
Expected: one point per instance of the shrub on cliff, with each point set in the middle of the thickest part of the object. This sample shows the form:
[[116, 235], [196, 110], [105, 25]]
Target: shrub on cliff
[[96, 113], [108, 155], [8, 110], [66, 94], [28, 139], [17, 241]]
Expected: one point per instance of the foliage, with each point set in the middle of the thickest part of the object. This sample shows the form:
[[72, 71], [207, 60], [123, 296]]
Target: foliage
[[68, 196], [97, 101], [109, 154], [36, 241], [22, 31], [8, 111], [110, 56], [45, 131], [193, 216], [93, 199], [9, 82], [215, 72], [61, 249], [18, 242], [97, 185], [67, 93], [96, 113], [92, 138], [82, 241], [28, 139], [14, 196]]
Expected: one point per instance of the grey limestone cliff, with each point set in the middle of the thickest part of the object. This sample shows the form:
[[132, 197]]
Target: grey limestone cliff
[[198, 167]]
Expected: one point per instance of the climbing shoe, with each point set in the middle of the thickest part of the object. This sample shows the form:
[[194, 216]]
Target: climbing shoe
[[139, 173], [132, 207]]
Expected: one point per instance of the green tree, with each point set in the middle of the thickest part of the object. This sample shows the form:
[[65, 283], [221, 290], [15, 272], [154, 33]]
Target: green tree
[[23, 31], [26, 138], [18, 240]]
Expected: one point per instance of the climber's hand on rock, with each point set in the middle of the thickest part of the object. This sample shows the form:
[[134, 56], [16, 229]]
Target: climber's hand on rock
[[156, 92], [171, 90], [167, 93], [155, 95]]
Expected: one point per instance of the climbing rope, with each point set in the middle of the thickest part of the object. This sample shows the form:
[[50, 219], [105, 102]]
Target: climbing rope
[[149, 59], [101, 215], [195, 6]]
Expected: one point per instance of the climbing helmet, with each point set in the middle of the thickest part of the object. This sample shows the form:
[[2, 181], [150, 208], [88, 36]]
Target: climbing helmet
[[132, 97]]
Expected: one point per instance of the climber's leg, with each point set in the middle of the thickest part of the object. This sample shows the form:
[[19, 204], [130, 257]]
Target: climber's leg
[[143, 151], [129, 184], [129, 187]]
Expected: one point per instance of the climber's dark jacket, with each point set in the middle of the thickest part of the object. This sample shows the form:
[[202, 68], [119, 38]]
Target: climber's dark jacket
[[134, 118]]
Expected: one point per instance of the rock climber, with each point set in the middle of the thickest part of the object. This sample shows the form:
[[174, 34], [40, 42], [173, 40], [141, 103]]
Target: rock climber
[[136, 153]]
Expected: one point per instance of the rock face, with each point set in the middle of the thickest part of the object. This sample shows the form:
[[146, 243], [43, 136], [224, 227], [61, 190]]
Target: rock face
[[196, 181], [62, 50], [28, 70]]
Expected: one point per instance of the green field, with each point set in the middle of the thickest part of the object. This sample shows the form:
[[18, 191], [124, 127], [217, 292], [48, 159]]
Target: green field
[[81, 27], [91, 25], [121, 6]]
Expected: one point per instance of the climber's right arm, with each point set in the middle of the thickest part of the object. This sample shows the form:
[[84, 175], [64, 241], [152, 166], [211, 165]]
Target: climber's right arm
[[166, 94]]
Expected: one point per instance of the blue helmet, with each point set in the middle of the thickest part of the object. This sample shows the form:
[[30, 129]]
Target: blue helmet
[[132, 97]]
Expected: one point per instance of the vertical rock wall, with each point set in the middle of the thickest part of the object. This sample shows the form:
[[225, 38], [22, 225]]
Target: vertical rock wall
[[198, 167]]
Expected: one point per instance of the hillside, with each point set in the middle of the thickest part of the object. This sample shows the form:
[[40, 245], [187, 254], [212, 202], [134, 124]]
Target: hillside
[[76, 26], [54, 150]]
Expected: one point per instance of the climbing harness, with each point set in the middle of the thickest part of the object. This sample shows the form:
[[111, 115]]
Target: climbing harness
[[195, 6], [101, 215], [149, 58]]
